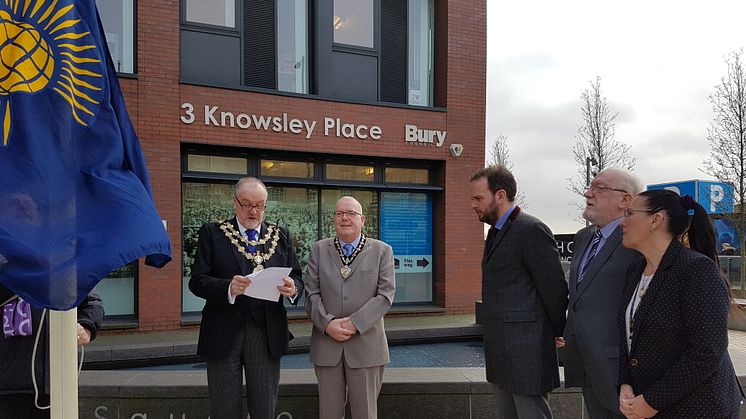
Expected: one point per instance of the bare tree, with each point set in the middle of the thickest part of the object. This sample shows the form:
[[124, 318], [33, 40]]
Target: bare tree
[[727, 138], [500, 154], [595, 147]]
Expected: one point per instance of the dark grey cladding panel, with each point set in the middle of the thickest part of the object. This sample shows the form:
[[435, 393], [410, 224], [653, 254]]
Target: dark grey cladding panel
[[210, 58]]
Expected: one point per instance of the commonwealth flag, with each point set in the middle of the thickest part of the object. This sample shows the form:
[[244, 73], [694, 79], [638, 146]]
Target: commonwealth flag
[[75, 197]]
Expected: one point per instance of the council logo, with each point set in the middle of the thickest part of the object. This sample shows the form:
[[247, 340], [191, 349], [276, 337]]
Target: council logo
[[46, 48]]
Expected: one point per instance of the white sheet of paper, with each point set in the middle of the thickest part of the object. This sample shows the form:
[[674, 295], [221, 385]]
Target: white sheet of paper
[[264, 283]]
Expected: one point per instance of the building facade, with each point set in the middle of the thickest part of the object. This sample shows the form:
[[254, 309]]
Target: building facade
[[383, 100]]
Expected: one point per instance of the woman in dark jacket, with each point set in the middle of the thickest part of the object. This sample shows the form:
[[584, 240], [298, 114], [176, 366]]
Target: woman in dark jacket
[[17, 398], [675, 362]]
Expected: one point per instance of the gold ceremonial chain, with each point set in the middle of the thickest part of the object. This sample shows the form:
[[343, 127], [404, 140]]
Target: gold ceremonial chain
[[273, 232], [346, 271]]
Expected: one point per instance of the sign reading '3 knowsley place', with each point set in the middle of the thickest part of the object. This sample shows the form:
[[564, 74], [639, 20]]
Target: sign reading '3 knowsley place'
[[212, 115]]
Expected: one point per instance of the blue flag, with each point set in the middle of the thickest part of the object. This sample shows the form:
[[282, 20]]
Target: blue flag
[[75, 198]]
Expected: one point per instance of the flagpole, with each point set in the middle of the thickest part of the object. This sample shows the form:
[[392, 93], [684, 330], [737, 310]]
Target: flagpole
[[63, 363]]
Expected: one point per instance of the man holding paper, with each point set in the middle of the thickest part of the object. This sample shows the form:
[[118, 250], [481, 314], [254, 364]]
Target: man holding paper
[[350, 287], [242, 334]]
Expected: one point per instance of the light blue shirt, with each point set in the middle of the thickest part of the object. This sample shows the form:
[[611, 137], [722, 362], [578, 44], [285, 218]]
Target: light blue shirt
[[501, 221], [605, 233], [354, 243]]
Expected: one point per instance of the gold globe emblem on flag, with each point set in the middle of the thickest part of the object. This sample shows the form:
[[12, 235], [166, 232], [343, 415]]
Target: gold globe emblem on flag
[[45, 46]]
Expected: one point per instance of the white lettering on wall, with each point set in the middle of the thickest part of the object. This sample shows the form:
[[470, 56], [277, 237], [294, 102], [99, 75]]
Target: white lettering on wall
[[188, 118], [213, 116], [412, 134], [335, 126], [99, 411]]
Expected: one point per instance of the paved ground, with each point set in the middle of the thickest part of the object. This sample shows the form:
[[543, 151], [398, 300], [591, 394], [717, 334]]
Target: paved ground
[[406, 328]]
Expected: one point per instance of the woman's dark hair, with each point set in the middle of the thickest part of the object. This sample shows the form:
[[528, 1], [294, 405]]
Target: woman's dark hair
[[700, 231]]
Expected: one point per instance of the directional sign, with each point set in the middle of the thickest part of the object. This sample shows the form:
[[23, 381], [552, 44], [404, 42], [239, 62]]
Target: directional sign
[[413, 264]]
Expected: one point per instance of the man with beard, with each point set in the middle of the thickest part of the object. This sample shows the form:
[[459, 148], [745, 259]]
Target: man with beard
[[524, 297], [597, 277], [242, 335]]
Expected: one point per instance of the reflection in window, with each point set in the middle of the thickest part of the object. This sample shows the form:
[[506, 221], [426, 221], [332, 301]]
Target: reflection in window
[[202, 203], [353, 22], [297, 210], [349, 172], [292, 50], [211, 12], [118, 291], [420, 22], [406, 175], [117, 18], [407, 226], [216, 164], [281, 168], [368, 200]]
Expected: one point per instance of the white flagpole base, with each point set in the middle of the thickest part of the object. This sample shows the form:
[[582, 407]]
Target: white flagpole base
[[63, 362]]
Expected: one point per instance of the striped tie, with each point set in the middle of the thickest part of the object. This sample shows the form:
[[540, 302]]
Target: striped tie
[[591, 254]]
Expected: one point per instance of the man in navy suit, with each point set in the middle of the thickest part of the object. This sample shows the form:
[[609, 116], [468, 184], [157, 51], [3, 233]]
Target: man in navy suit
[[597, 277], [524, 298], [241, 335]]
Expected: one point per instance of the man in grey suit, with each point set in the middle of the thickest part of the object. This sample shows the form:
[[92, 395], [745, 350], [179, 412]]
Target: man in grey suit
[[350, 287], [524, 297], [597, 276]]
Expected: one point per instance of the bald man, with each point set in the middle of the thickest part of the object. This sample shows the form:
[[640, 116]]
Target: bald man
[[349, 288]]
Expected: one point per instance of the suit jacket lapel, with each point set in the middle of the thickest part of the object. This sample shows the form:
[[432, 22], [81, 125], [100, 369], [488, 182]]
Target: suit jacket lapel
[[334, 254], [656, 284], [360, 256], [612, 242], [490, 247], [581, 246]]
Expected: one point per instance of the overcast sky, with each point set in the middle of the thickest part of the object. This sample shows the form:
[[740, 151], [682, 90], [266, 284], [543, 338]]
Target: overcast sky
[[658, 61]]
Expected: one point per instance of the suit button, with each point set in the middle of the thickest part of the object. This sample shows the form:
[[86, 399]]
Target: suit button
[[633, 362]]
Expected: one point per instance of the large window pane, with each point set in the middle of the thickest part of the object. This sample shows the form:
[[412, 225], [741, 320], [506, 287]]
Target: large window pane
[[353, 22], [407, 175], [368, 200], [118, 291], [117, 18], [211, 12], [216, 164], [420, 52], [292, 46], [407, 226], [349, 172], [202, 203], [294, 169], [296, 209]]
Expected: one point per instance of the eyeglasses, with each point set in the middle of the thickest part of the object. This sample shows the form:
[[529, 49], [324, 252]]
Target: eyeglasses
[[248, 207], [629, 211], [349, 214], [602, 189]]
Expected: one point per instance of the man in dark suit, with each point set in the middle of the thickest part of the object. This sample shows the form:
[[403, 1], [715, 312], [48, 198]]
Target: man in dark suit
[[240, 332], [524, 297], [597, 277]]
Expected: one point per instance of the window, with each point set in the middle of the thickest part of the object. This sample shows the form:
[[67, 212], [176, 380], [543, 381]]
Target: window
[[349, 172], [292, 46], [117, 18], [118, 291], [301, 196], [216, 164], [211, 12], [407, 175], [294, 169], [202, 203], [420, 55], [353, 22]]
